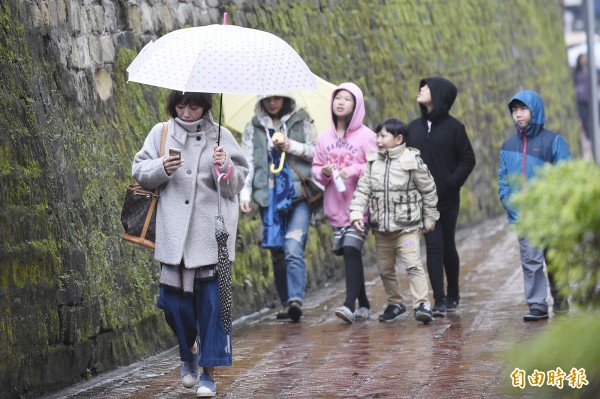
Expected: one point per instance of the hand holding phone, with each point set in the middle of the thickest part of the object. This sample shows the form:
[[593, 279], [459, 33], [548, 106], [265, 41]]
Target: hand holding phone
[[171, 165], [175, 152]]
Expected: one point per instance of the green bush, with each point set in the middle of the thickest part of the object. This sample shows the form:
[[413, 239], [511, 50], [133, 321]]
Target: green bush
[[570, 343], [562, 214]]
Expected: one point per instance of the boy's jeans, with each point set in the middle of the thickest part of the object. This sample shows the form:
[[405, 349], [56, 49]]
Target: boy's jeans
[[296, 234]]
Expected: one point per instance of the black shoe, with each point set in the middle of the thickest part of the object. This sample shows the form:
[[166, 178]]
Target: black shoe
[[535, 315], [560, 307], [439, 308], [392, 312], [452, 304], [295, 311], [283, 313], [422, 313]]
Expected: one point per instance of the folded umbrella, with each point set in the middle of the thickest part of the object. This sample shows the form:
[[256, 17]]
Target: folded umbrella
[[223, 265], [281, 195]]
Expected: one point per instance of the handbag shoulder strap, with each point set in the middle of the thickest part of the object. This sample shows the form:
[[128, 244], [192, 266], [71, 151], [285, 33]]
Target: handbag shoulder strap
[[163, 144], [300, 175], [156, 194]]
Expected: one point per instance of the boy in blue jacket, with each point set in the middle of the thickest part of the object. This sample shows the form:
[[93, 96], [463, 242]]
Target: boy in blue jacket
[[520, 157]]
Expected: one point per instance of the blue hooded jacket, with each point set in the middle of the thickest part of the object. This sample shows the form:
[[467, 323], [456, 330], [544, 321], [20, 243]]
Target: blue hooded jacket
[[529, 149]]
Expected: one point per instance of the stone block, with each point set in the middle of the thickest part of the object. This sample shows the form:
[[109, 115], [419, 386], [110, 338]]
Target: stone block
[[108, 49]]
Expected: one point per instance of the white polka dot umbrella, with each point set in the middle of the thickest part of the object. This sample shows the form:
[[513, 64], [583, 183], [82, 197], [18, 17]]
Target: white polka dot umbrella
[[221, 59]]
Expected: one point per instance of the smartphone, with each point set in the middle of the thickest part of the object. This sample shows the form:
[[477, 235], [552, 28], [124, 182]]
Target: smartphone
[[175, 152]]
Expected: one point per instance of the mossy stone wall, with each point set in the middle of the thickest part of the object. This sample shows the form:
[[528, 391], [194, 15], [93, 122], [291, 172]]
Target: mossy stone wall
[[76, 299]]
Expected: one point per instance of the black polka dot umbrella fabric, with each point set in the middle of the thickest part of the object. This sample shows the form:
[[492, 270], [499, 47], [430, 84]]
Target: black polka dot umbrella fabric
[[223, 272]]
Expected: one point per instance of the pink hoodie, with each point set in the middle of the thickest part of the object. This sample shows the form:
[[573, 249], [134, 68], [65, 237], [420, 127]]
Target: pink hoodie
[[348, 152]]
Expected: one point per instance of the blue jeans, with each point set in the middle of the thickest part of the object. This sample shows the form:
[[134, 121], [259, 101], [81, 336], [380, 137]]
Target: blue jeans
[[188, 315], [296, 234]]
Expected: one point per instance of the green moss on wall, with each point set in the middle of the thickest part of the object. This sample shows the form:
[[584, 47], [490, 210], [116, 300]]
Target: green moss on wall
[[64, 165]]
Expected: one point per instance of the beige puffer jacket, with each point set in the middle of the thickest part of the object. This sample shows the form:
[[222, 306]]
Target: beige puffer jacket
[[398, 189]]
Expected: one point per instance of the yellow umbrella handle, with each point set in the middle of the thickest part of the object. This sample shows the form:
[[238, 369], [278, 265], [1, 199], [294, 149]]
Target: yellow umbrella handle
[[281, 162], [277, 137]]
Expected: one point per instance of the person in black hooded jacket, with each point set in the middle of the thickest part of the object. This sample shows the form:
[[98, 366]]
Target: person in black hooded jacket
[[446, 150]]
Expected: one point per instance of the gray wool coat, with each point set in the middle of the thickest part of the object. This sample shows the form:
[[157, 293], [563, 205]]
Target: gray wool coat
[[186, 211]]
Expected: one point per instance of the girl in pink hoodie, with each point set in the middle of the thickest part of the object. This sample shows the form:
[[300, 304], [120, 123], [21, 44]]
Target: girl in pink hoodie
[[338, 163]]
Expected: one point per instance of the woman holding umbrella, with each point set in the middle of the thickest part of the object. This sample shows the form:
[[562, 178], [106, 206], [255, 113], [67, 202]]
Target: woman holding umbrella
[[186, 249], [284, 211]]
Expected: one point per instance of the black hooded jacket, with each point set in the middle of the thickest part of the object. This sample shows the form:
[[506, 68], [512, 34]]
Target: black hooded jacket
[[445, 148]]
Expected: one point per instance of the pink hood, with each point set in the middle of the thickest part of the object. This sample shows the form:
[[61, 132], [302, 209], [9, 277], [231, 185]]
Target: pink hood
[[348, 152]]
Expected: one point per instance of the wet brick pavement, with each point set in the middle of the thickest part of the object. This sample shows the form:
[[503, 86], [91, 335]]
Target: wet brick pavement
[[460, 356]]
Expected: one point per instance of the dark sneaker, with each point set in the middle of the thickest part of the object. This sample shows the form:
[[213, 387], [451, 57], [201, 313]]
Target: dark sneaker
[[283, 313], [423, 313], [560, 307], [452, 304], [295, 311], [392, 312], [439, 308], [535, 315]]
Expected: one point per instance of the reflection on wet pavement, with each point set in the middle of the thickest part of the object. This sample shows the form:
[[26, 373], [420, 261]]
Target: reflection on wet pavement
[[459, 356]]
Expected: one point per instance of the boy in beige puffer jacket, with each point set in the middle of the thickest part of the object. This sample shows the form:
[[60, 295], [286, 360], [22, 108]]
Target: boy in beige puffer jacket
[[401, 196]]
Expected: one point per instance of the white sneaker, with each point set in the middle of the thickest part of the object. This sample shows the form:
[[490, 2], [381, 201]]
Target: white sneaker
[[345, 314], [189, 381], [206, 388]]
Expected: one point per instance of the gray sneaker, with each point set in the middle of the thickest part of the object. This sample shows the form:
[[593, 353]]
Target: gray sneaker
[[362, 313], [392, 312], [189, 370]]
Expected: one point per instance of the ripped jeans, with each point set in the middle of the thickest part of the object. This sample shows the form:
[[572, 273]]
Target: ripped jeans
[[296, 223]]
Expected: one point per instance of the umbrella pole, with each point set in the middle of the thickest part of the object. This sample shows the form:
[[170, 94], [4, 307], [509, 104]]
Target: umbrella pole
[[220, 117]]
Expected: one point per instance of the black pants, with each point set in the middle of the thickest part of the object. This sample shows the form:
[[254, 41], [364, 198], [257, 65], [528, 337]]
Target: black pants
[[355, 279], [443, 256]]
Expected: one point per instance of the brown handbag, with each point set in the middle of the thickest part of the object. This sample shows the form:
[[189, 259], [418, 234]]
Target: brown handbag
[[312, 192], [138, 215]]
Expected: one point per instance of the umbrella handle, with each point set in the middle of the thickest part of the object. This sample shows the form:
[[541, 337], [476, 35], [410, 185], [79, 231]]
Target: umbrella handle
[[225, 176], [281, 163], [221, 176]]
